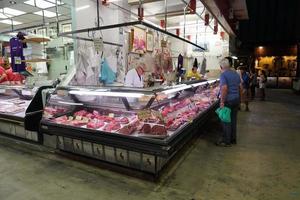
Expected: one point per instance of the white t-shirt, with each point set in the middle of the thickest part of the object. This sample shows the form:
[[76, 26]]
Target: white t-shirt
[[132, 79]]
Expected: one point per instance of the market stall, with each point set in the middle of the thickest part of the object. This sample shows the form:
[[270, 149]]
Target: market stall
[[140, 129], [20, 111]]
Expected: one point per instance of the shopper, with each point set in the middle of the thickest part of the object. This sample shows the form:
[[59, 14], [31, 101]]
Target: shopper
[[230, 87], [262, 85], [193, 74], [135, 77], [253, 83], [245, 79]]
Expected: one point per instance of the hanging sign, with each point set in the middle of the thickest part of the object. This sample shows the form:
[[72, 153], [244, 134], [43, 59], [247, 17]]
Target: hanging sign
[[98, 44]]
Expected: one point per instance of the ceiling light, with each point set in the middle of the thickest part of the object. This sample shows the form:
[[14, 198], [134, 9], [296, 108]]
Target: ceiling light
[[82, 7], [8, 21], [46, 13], [260, 47], [3, 16], [12, 2], [234, 57], [40, 3], [13, 12]]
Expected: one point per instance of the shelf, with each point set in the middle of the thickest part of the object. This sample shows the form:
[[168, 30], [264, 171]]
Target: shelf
[[34, 60], [36, 40]]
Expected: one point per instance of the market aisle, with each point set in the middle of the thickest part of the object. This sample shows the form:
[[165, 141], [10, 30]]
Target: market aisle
[[264, 165]]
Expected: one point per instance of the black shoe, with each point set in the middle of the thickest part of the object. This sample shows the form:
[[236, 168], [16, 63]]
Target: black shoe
[[247, 110], [223, 144], [233, 142]]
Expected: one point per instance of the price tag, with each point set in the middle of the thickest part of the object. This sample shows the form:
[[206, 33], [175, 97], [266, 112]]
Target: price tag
[[163, 43], [112, 115], [70, 118], [18, 60], [98, 44], [144, 114], [85, 119], [78, 117], [2, 91]]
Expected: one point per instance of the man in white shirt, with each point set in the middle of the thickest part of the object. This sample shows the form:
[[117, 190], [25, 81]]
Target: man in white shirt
[[135, 77]]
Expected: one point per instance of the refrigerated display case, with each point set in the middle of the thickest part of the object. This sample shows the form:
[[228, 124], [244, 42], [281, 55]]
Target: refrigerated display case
[[140, 129], [21, 109]]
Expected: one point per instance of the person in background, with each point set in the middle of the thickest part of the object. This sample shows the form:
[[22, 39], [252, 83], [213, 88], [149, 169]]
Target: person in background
[[262, 85], [135, 77], [253, 83], [230, 88], [245, 79], [193, 74]]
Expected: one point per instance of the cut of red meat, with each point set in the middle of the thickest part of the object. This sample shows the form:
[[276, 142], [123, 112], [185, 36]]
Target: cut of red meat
[[146, 129], [62, 119], [90, 116], [112, 127], [158, 130], [122, 120], [95, 124], [82, 113]]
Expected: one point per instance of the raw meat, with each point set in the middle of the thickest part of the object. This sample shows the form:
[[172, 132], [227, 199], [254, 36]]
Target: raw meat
[[81, 113], [158, 130], [146, 129], [62, 119], [122, 120], [112, 127], [95, 124]]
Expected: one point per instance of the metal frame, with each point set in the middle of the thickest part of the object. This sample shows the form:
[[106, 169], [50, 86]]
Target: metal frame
[[134, 23]]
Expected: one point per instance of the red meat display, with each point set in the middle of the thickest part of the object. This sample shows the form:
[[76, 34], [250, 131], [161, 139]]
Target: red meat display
[[122, 120], [146, 129], [95, 124], [112, 127], [158, 130], [61, 120], [81, 113]]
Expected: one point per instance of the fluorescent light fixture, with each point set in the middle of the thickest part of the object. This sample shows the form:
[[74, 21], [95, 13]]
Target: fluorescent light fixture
[[3, 16], [8, 21], [40, 3], [198, 84], [234, 57], [46, 13], [82, 7], [108, 94], [170, 91], [70, 103], [12, 12]]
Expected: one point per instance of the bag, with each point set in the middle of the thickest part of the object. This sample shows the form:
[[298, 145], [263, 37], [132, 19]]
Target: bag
[[224, 114]]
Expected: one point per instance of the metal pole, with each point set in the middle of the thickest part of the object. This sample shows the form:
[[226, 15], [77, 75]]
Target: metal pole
[[56, 10], [166, 11], [98, 15], [184, 21]]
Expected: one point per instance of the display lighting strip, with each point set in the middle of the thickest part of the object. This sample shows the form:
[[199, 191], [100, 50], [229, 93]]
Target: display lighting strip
[[108, 94], [70, 103], [199, 84], [170, 91]]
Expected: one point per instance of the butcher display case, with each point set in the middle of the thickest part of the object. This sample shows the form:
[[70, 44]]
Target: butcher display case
[[140, 129], [21, 109]]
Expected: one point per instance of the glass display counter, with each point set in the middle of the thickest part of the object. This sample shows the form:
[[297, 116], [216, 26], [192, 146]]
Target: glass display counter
[[139, 129], [21, 109]]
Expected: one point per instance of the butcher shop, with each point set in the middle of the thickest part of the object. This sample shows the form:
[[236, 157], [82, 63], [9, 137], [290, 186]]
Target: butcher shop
[[120, 84]]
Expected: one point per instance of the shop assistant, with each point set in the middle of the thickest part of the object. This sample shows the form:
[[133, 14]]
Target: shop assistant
[[193, 74], [135, 77]]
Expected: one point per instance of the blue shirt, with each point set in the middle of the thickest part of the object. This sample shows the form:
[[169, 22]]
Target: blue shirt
[[232, 79], [246, 80]]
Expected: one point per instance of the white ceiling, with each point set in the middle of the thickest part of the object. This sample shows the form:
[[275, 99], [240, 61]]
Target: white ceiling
[[30, 19]]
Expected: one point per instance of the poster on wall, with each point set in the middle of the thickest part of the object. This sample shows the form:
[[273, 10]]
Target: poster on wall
[[138, 41]]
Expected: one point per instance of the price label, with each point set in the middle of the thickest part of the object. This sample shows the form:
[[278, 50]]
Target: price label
[[18, 60], [85, 119], [78, 118], [144, 114], [2, 91], [98, 44], [112, 115]]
